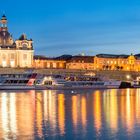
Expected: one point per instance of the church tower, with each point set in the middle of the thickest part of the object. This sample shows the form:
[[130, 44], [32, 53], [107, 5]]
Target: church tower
[[17, 53], [6, 39], [4, 23]]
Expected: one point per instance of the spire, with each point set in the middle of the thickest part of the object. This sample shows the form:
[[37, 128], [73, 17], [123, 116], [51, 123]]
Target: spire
[[3, 23]]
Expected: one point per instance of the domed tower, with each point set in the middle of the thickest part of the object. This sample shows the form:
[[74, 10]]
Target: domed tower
[[6, 39], [4, 23]]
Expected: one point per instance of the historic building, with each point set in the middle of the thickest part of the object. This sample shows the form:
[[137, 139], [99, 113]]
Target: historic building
[[17, 53], [117, 62], [48, 63], [20, 54], [65, 62], [98, 62], [81, 63]]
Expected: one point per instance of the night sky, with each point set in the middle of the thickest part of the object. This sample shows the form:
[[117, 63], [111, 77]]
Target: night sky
[[76, 26]]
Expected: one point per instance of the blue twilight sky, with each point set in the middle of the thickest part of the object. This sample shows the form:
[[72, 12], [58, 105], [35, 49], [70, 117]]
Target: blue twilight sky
[[76, 26]]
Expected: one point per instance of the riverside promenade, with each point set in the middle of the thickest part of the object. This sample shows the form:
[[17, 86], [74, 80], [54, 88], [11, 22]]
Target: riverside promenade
[[119, 75]]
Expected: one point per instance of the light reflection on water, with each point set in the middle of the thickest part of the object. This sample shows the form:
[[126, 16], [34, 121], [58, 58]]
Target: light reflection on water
[[86, 114]]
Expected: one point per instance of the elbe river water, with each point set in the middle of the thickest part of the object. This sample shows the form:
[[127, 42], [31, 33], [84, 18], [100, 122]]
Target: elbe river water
[[66, 115]]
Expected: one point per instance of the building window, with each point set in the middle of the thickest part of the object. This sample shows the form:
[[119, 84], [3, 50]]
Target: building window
[[12, 63], [54, 65], [24, 56], [24, 46], [4, 57], [60, 65], [48, 65], [12, 56], [4, 63]]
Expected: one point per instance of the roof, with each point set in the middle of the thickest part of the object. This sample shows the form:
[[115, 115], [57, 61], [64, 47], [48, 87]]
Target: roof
[[112, 56], [41, 57], [64, 57], [81, 59], [6, 38], [3, 17], [23, 37]]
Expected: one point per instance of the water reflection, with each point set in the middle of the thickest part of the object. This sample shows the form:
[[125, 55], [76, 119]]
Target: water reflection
[[111, 109], [61, 114], [97, 112]]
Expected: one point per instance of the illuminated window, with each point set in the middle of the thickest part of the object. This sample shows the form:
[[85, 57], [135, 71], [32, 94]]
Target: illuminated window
[[54, 65], [4, 64], [48, 65], [60, 65], [12, 63]]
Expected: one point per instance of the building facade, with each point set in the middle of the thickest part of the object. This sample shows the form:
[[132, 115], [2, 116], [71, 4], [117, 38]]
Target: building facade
[[81, 63], [17, 53], [98, 62], [48, 63], [20, 54], [117, 62]]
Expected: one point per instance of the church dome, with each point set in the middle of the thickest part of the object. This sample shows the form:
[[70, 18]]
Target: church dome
[[5, 38]]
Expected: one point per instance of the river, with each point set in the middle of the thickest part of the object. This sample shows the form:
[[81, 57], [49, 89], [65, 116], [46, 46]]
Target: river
[[70, 115]]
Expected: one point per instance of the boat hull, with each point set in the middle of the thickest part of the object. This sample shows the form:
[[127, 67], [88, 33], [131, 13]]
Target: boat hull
[[3, 87], [82, 87]]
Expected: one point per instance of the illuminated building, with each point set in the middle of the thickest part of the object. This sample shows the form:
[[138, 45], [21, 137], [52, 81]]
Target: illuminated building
[[17, 53], [117, 62], [20, 54], [80, 62], [49, 63], [98, 62]]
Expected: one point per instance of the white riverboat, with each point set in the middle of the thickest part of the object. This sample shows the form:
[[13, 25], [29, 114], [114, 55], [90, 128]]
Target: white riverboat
[[24, 81], [33, 81], [30, 81], [82, 82]]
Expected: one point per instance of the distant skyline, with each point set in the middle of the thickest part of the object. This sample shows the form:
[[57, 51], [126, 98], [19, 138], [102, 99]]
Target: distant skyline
[[76, 26]]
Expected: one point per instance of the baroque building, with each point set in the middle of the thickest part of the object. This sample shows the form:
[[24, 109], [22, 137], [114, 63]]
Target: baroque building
[[117, 62], [81, 63], [49, 63], [17, 53]]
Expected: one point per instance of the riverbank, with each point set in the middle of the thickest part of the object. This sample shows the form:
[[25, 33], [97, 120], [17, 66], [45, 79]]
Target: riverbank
[[119, 75]]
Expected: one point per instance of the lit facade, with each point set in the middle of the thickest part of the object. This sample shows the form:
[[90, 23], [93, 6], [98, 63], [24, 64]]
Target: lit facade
[[44, 62], [81, 63], [98, 62], [17, 53], [20, 54], [117, 62]]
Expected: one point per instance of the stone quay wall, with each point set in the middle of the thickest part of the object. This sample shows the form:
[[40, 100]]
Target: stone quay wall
[[119, 75]]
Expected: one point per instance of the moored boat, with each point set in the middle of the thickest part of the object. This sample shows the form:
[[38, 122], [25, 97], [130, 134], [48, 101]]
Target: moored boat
[[34, 81], [82, 83], [17, 81]]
